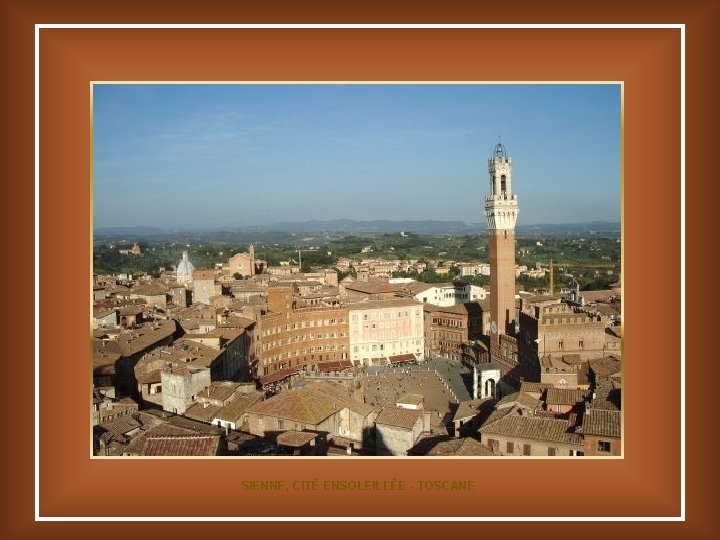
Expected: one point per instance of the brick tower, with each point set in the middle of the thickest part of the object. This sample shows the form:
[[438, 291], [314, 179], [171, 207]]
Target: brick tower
[[501, 210]]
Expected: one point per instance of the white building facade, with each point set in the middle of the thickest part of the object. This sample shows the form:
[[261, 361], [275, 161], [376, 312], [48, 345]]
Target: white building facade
[[380, 329]]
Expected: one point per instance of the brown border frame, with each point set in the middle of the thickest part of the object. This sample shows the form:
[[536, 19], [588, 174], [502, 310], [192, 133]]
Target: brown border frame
[[651, 158], [78, 55]]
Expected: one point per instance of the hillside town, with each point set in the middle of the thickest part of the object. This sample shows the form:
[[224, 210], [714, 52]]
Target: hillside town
[[249, 359]]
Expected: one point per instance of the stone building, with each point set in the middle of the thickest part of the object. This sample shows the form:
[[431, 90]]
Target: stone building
[[181, 385], [516, 434], [205, 286], [319, 406], [182, 353], [154, 294], [385, 328], [397, 430], [115, 359], [242, 263]]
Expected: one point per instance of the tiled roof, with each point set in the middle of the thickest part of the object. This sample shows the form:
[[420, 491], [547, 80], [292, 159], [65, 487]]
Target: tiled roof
[[151, 289], [534, 387], [564, 396], [604, 404], [295, 439], [467, 409], [130, 310], [190, 445], [121, 425], [308, 405], [460, 447], [102, 358], [144, 337], [401, 358], [233, 411], [398, 417], [532, 427], [278, 376], [149, 377], [202, 412], [604, 367], [219, 390], [334, 365], [602, 422], [520, 398]]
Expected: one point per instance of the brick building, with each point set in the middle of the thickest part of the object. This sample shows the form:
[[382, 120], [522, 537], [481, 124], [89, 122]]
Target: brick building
[[448, 329], [289, 337]]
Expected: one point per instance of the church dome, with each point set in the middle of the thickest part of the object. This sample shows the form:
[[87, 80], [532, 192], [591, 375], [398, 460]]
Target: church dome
[[185, 267]]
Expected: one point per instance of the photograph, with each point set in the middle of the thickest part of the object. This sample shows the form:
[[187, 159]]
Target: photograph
[[370, 274], [360, 270]]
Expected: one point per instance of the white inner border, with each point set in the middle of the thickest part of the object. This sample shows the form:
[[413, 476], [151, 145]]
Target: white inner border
[[38, 517]]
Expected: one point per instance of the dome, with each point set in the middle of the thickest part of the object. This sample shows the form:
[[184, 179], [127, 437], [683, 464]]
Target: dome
[[185, 267]]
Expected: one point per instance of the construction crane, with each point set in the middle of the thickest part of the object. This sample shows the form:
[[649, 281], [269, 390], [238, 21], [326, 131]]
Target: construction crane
[[566, 265]]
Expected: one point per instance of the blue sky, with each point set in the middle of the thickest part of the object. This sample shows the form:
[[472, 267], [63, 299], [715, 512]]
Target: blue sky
[[236, 155]]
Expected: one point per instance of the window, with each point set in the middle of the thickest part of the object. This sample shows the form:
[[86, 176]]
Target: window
[[603, 446], [510, 448], [551, 451], [581, 344], [526, 450], [560, 345]]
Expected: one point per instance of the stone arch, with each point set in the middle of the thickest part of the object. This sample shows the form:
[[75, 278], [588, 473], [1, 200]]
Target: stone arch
[[489, 388]]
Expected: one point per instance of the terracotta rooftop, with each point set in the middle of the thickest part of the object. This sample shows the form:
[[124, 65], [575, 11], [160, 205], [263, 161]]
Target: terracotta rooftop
[[310, 404], [534, 387], [398, 417], [519, 398], [473, 407], [303, 405], [334, 365], [564, 396], [532, 427], [460, 447], [401, 358], [295, 439], [150, 289], [203, 412], [190, 445], [144, 337], [233, 411], [601, 422], [278, 376], [121, 425]]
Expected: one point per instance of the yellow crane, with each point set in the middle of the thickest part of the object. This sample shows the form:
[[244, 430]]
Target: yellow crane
[[566, 265]]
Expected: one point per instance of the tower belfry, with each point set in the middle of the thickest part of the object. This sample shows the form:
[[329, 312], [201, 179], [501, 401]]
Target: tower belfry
[[501, 210]]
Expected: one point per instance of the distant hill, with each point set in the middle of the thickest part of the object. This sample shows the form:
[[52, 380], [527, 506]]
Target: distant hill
[[347, 226]]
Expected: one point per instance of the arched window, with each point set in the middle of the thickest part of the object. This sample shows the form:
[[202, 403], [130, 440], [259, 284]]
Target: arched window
[[503, 184]]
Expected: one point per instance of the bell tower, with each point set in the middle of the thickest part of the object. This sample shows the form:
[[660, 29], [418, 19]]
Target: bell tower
[[501, 210]]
